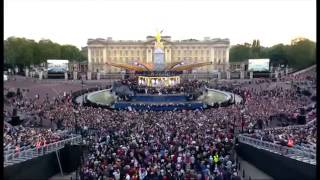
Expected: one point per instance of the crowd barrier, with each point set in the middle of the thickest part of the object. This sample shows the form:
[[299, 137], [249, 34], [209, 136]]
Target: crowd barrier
[[162, 98], [300, 155], [159, 107], [11, 158]]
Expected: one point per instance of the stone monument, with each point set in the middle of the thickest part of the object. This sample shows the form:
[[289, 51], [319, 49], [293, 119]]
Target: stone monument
[[158, 54], [228, 75], [89, 75], [41, 75], [75, 75], [66, 76], [98, 75], [241, 74]]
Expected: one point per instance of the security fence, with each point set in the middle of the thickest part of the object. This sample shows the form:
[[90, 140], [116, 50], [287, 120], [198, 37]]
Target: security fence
[[26, 153], [294, 153]]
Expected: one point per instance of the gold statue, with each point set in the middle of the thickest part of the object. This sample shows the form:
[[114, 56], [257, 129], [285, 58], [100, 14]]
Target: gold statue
[[158, 37], [158, 43]]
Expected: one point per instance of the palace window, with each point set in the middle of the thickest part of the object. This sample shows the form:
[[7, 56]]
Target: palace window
[[126, 53], [120, 53]]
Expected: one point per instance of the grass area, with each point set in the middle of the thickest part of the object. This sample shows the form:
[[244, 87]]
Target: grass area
[[104, 98], [213, 97]]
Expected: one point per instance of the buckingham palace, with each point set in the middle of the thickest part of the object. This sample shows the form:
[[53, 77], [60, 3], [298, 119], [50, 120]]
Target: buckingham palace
[[104, 51]]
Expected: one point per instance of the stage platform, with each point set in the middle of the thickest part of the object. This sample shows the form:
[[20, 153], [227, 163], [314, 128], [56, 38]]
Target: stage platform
[[165, 102], [159, 98], [155, 102]]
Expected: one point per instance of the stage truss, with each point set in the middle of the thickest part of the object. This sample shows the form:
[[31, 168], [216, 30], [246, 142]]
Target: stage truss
[[158, 81]]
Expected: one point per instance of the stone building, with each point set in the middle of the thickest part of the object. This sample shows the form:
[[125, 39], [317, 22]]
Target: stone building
[[102, 51]]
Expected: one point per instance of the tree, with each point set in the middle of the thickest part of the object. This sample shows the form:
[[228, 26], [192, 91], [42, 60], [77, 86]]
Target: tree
[[48, 50], [255, 49], [302, 54], [278, 54], [19, 51], [239, 53], [71, 53], [24, 52]]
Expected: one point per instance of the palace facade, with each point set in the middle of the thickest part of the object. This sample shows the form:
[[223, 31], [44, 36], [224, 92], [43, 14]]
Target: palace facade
[[103, 51]]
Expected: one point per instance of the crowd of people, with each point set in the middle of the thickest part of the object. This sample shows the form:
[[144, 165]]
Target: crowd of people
[[187, 144]]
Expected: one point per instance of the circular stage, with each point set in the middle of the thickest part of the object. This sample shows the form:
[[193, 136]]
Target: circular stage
[[155, 102]]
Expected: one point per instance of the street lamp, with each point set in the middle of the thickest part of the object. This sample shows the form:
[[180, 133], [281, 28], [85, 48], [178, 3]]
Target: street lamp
[[242, 119], [75, 112], [82, 90]]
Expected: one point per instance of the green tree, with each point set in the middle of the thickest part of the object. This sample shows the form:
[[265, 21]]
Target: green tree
[[302, 54], [255, 49], [278, 54], [24, 52], [71, 53], [239, 53], [19, 51]]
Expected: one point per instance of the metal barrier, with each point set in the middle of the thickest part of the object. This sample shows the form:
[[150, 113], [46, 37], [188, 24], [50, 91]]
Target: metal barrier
[[293, 153], [15, 157], [308, 124]]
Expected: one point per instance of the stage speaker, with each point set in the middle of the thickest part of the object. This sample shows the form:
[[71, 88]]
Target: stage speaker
[[260, 124], [10, 94], [302, 111], [70, 157], [14, 112], [15, 120], [301, 119]]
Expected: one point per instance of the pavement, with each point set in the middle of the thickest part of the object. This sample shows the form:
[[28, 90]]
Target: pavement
[[69, 176], [251, 172], [52, 87]]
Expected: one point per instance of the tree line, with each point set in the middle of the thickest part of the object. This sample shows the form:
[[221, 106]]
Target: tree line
[[23, 52], [298, 55]]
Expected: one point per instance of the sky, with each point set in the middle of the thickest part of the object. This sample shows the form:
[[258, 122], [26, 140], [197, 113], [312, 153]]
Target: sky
[[75, 21]]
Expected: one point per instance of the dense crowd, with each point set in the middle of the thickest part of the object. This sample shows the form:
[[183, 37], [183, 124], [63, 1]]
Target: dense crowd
[[164, 145]]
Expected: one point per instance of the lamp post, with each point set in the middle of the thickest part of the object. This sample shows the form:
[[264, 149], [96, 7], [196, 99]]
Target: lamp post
[[82, 90], [75, 112], [242, 119]]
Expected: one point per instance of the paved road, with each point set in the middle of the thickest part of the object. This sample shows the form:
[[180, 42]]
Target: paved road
[[251, 171], [52, 87]]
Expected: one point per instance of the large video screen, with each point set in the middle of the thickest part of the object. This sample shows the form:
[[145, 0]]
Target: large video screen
[[57, 66], [259, 65]]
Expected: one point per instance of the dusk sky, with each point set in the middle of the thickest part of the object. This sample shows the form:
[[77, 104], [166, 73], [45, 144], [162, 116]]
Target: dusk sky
[[74, 21]]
